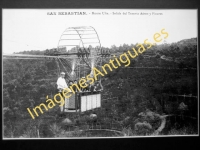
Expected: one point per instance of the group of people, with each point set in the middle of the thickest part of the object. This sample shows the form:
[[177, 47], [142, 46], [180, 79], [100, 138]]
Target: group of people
[[62, 84]]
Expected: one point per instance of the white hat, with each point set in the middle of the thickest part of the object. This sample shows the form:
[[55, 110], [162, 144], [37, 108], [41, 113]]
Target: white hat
[[62, 73]]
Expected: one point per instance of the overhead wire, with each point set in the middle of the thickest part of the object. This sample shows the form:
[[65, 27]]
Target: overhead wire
[[58, 66], [66, 63], [64, 67]]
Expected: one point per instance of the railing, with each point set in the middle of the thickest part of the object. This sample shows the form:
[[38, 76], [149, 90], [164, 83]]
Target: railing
[[81, 102]]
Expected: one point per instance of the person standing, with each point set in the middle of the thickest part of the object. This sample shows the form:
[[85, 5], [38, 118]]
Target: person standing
[[61, 85]]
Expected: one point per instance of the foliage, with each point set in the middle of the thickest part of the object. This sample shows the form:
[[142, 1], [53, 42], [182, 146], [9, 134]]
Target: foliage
[[26, 83], [183, 131]]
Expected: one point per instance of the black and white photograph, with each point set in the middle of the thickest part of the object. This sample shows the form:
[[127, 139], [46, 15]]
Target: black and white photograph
[[99, 73]]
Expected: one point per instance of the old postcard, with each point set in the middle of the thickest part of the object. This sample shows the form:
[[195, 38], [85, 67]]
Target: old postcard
[[99, 73]]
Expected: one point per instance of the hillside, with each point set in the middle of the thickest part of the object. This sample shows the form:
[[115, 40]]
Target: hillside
[[160, 80]]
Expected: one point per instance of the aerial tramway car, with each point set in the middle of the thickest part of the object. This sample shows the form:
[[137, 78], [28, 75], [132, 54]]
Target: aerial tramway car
[[82, 46]]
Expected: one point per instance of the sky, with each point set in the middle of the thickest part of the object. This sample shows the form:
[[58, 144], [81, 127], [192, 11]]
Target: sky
[[37, 29]]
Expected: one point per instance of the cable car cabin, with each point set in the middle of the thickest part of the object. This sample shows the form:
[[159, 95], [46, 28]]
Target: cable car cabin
[[82, 101]]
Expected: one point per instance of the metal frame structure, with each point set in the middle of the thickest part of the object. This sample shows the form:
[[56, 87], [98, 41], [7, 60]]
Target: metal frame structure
[[82, 101], [83, 45]]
